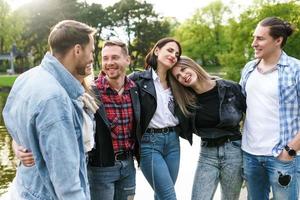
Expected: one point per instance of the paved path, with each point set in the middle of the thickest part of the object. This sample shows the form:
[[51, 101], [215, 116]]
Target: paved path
[[189, 157]]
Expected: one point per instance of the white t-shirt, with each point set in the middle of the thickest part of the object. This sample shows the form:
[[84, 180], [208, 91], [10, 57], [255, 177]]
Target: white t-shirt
[[261, 128], [164, 115]]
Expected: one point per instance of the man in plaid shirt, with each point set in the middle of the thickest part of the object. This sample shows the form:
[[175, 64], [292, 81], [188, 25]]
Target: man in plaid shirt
[[111, 168], [271, 138]]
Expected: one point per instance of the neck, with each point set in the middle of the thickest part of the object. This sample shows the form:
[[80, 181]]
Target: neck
[[272, 60], [202, 86], [161, 73], [117, 84], [69, 65]]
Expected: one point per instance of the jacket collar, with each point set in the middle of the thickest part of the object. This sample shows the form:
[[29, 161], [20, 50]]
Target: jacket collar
[[147, 74], [72, 86]]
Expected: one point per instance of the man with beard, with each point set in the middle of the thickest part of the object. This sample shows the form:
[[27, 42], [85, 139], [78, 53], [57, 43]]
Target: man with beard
[[44, 114], [111, 168]]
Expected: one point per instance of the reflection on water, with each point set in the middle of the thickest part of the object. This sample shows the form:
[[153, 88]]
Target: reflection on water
[[7, 159]]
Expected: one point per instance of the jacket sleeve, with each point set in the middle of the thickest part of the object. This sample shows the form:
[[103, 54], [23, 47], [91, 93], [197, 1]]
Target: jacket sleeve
[[241, 97], [60, 149]]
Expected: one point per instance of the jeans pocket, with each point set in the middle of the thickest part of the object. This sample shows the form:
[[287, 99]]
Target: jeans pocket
[[236, 144], [148, 138]]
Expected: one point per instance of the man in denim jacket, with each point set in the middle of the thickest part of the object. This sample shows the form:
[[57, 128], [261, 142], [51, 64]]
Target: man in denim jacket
[[44, 115], [271, 133]]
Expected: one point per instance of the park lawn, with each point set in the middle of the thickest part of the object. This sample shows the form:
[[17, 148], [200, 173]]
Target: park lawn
[[7, 80]]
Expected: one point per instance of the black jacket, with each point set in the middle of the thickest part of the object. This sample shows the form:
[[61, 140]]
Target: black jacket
[[103, 153], [232, 108], [148, 102]]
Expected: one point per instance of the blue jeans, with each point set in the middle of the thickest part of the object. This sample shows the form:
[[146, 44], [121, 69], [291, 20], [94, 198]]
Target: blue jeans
[[112, 183], [160, 156], [219, 164], [263, 172]]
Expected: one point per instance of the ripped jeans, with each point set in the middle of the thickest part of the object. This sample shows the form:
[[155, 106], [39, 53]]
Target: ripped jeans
[[264, 172], [113, 183]]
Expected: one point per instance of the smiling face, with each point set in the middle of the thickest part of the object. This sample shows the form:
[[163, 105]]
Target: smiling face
[[185, 75], [114, 62], [167, 55], [264, 44]]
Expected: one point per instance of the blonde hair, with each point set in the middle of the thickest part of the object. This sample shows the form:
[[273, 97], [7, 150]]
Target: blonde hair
[[186, 96], [118, 43]]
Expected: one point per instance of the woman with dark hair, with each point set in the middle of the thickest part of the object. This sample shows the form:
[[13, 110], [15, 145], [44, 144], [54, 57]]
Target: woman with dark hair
[[217, 107], [161, 120]]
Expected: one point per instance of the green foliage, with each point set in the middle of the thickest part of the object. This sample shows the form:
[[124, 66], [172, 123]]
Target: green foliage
[[7, 81], [11, 26], [202, 36], [213, 39], [143, 27]]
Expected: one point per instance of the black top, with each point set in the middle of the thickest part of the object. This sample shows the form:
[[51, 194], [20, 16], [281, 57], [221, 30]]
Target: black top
[[207, 113], [222, 112]]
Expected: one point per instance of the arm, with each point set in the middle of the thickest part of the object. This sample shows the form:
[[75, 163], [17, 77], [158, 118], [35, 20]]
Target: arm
[[59, 149], [25, 156]]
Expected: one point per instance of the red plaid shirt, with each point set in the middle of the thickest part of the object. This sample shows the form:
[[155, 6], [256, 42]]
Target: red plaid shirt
[[119, 112]]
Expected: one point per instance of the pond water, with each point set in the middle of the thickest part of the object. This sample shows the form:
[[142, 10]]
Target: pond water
[[7, 160]]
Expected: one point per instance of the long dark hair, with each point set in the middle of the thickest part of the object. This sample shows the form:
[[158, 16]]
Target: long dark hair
[[151, 58]]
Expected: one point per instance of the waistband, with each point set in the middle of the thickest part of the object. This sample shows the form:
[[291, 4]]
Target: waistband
[[161, 130], [123, 155], [215, 142]]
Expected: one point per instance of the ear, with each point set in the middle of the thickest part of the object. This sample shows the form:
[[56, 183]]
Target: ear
[[77, 49], [156, 51], [128, 60], [279, 41]]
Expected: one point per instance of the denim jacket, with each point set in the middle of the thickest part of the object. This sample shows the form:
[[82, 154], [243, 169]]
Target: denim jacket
[[43, 114], [232, 107]]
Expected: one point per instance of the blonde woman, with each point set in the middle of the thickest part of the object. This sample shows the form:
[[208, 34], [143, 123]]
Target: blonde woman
[[217, 107]]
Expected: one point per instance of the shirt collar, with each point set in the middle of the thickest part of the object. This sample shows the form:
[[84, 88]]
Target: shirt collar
[[154, 75], [102, 82]]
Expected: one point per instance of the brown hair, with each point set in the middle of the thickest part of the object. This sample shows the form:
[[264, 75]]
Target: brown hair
[[117, 43], [278, 28], [185, 96], [66, 34], [151, 58]]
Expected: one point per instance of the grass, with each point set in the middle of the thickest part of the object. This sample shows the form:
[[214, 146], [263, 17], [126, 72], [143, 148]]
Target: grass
[[7, 80]]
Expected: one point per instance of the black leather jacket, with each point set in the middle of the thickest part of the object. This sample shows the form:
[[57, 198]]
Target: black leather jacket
[[232, 108], [148, 102], [103, 153]]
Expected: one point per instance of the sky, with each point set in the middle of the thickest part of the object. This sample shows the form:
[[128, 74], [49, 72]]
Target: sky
[[180, 9]]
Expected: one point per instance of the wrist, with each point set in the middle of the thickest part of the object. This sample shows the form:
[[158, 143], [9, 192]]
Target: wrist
[[291, 152]]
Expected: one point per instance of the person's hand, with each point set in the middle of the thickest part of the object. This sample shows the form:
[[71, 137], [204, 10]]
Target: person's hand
[[25, 156], [284, 156]]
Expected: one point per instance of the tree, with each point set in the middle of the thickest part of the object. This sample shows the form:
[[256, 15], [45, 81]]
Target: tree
[[11, 27], [39, 17], [202, 36], [96, 16], [141, 25], [241, 34]]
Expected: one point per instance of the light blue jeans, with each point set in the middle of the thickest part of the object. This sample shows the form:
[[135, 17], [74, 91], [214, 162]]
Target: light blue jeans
[[112, 183], [216, 165], [264, 172], [160, 156]]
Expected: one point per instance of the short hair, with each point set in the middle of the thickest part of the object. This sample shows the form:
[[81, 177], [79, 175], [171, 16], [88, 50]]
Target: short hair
[[278, 28], [67, 33], [118, 43], [151, 58]]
